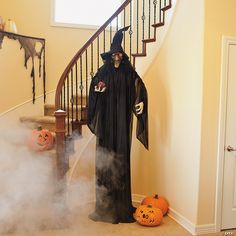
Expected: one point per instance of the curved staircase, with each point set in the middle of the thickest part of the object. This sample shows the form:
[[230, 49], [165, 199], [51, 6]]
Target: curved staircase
[[144, 17]]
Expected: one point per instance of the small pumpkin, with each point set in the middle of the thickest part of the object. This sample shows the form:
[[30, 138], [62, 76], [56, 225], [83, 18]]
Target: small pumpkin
[[41, 139], [148, 215], [158, 202]]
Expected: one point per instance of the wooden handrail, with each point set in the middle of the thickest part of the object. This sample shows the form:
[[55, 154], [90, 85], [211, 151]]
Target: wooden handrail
[[80, 52]]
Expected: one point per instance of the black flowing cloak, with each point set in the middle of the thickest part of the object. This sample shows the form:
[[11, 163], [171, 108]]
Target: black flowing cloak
[[110, 119]]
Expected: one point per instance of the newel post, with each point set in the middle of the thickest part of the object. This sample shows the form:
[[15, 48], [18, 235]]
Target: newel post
[[62, 164]]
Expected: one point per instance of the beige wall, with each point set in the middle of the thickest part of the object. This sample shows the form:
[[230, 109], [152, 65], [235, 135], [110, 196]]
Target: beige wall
[[33, 18], [174, 83], [220, 20]]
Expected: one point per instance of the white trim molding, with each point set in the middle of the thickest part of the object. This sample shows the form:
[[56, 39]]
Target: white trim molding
[[180, 219], [226, 42], [137, 198], [205, 229], [189, 226]]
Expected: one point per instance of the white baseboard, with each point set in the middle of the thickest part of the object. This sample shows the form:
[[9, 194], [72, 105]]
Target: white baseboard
[[180, 219], [205, 229], [137, 198], [189, 226]]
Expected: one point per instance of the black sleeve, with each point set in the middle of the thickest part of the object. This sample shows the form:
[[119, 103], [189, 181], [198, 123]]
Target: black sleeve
[[142, 119], [92, 107]]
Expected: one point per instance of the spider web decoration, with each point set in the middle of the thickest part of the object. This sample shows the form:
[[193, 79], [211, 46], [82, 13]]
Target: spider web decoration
[[29, 46]]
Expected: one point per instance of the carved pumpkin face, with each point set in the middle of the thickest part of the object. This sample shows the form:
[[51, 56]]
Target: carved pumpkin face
[[148, 215], [157, 202], [41, 139]]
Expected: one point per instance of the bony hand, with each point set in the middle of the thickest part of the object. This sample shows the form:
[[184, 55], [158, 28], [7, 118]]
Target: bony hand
[[139, 108], [100, 87]]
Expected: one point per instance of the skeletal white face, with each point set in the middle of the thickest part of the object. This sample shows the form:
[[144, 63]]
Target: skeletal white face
[[117, 58]]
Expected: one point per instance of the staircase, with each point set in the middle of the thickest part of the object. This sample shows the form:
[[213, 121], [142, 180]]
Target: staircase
[[71, 101], [48, 120]]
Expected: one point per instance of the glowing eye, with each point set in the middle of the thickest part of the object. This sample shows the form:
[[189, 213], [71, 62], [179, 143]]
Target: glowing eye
[[119, 54]]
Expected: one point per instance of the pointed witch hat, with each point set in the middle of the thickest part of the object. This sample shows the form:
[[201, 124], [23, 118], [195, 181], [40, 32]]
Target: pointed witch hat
[[116, 44]]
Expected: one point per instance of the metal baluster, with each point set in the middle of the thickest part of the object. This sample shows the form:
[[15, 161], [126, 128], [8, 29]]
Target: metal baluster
[[104, 41], [117, 23], [91, 73], [92, 59], [64, 98], [72, 100], [76, 84], [143, 18], [81, 87], [68, 106], [137, 23], [98, 52], [44, 75], [160, 13], [155, 11], [86, 71], [110, 33], [130, 31], [124, 34], [61, 97], [149, 20]]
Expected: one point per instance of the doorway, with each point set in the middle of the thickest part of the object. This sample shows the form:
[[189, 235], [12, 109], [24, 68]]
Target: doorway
[[226, 171]]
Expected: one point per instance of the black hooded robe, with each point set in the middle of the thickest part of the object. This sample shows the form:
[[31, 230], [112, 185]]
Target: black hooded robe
[[110, 119]]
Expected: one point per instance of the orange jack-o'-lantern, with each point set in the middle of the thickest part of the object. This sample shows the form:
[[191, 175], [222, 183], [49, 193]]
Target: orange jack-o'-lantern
[[148, 215], [157, 202], [41, 139]]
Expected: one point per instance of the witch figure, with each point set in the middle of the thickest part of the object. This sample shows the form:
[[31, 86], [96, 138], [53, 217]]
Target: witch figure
[[116, 92]]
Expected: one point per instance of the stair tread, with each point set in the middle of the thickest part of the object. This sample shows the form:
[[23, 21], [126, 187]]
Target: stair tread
[[139, 55], [166, 7], [149, 40], [42, 119], [158, 24]]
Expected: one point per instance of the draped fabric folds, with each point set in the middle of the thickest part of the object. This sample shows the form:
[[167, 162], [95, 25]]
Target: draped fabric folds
[[110, 119], [29, 46]]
